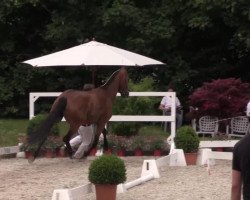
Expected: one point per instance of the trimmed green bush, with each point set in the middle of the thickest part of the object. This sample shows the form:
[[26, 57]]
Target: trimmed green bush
[[125, 128], [138, 143], [157, 144], [187, 139], [107, 169], [35, 123]]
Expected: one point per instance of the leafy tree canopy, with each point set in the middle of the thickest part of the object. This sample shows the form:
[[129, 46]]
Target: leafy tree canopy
[[199, 40]]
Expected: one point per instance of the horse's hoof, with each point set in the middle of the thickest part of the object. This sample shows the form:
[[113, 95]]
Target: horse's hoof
[[31, 159]]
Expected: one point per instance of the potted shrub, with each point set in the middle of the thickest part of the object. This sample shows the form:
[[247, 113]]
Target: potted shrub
[[157, 146], [137, 146], [93, 151], [111, 145], [106, 172], [36, 121], [120, 145], [188, 140], [49, 150], [50, 147], [28, 149]]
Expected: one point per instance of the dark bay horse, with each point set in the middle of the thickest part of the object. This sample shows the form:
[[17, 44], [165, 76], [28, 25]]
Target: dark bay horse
[[82, 108]]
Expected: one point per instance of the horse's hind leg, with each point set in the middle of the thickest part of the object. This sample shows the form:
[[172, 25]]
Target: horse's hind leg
[[67, 138], [101, 129]]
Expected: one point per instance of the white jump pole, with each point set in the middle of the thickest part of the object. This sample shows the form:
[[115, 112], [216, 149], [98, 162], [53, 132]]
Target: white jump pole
[[74, 193], [139, 181]]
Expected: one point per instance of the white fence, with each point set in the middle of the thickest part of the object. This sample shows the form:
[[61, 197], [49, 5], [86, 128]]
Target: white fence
[[129, 118], [9, 150]]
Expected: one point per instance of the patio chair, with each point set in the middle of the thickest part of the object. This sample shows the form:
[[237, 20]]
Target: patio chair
[[239, 127], [207, 125]]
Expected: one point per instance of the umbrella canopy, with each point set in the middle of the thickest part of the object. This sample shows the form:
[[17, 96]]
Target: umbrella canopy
[[92, 54]]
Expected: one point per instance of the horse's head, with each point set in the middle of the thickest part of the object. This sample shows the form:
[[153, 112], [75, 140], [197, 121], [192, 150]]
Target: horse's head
[[123, 82]]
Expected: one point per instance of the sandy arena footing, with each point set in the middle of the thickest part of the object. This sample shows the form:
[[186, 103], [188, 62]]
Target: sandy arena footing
[[37, 181]]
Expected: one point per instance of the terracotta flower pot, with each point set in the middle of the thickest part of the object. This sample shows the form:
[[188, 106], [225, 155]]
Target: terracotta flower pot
[[50, 153], [157, 152], [105, 192], [61, 152], [138, 152], [191, 158], [28, 154], [93, 152], [120, 153], [108, 152]]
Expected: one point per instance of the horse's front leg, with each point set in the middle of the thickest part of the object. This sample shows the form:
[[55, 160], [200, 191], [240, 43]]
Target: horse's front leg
[[105, 141], [100, 128]]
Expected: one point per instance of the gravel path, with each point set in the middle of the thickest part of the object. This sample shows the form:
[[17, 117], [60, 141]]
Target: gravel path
[[23, 181]]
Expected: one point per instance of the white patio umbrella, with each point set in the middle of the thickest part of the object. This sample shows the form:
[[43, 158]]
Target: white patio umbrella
[[92, 54]]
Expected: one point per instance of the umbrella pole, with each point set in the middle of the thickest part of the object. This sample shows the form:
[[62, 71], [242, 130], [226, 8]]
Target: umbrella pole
[[93, 76]]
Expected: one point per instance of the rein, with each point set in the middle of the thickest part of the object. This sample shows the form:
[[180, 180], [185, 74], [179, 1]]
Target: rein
[[224, 119]]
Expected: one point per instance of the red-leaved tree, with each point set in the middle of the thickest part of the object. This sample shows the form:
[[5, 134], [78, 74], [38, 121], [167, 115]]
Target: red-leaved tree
[[223, 98]]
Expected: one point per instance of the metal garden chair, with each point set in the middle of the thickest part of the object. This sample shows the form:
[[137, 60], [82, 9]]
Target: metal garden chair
[[207, 125], [239, 127]]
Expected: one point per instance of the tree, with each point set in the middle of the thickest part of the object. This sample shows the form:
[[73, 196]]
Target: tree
[[199, 41], [222, 98]]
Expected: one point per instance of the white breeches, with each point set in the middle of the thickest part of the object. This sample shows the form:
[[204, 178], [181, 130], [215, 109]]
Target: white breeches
[[85, 139]]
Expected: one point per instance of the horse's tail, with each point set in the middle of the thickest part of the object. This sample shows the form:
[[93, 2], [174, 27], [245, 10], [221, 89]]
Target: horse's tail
[[55, 115]]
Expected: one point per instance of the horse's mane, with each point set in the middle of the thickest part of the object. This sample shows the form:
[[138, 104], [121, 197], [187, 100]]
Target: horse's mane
[[111, 78]]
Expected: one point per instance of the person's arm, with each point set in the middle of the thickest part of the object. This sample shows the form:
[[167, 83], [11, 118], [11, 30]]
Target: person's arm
[[161, 107], [236, 185]]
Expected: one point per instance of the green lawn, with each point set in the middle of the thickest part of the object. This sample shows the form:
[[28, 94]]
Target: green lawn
[[152, 130], [10, 129]]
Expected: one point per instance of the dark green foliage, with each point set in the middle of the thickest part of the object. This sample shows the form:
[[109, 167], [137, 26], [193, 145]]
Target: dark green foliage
[[199, 41], [125, 128], [35, 123], [157, 144], [138, 143], [187, 139], [134, 106], [28, 147], [107, 169], [53, 142]]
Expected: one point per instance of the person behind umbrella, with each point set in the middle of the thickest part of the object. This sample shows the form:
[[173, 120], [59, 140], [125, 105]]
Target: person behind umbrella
[[165, 106], [85, 135]]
